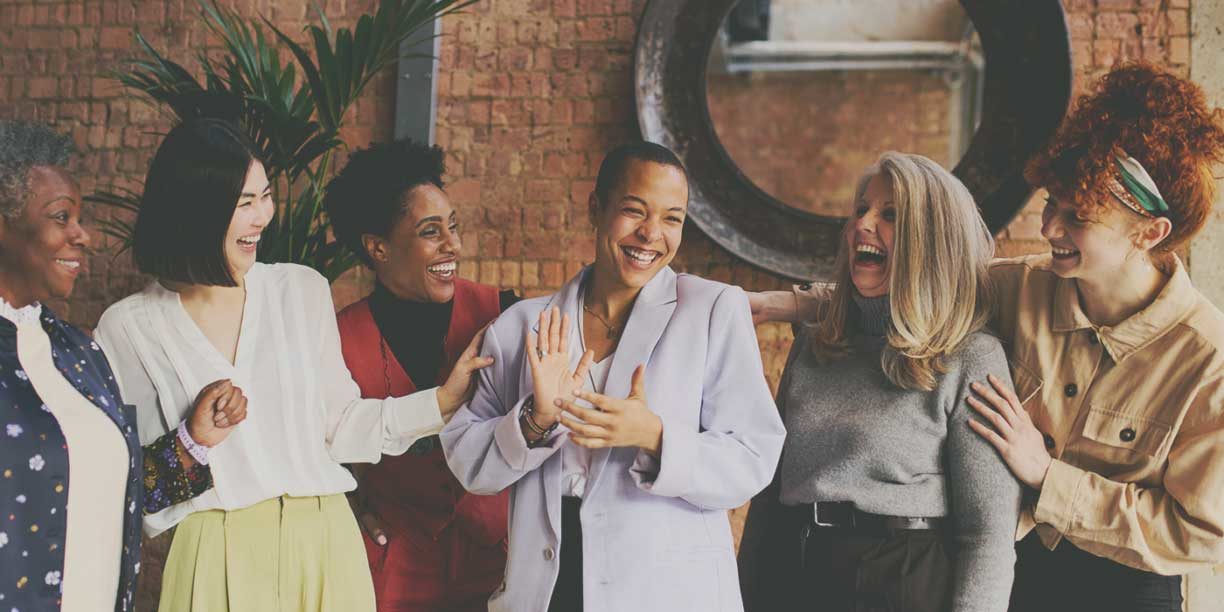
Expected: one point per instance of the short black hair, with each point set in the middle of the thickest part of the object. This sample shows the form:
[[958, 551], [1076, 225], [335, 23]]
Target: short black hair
[[189, 198], [612, 170], [367, 195]]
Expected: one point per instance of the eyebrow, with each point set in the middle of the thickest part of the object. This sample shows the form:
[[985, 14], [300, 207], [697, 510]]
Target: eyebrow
[[643, 203], [247, 194], [435, 218], [56, 199]]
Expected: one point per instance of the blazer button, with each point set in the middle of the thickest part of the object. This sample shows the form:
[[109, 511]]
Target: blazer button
[[549, 554], [1049, 441], [1070, 390], [1127, 435]]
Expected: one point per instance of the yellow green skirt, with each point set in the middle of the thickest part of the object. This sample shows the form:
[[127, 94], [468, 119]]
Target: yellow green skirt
[[287, 554]]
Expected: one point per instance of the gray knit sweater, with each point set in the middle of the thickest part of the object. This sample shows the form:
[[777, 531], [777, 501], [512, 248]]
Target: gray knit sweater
[[854, 436]]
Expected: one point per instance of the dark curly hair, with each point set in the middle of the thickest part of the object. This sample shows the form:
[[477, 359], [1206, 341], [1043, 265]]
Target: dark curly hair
[[1156, 117], [368, 195], [24, 145]]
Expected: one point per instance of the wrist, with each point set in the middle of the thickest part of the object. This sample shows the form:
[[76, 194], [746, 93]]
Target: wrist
[[653, 444]]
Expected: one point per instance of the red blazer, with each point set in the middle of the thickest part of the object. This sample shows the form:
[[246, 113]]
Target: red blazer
[[417, 494]]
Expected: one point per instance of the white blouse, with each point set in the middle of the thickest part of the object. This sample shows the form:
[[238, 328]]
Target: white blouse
[[305, 415]]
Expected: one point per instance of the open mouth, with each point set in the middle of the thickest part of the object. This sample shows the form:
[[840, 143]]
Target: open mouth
[[1062, 254], [641, 259], [444, 271], [72, 266], [868, 255], [248, 243]]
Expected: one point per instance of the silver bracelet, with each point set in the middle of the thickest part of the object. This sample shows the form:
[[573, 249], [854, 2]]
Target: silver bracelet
[[199, 452]]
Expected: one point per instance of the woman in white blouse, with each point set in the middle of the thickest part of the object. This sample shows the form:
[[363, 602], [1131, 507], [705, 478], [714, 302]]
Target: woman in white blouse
[[273, 531]]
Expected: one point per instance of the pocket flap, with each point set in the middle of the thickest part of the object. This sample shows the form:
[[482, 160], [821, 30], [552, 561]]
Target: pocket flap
[[1027, 383], [1130, 431]]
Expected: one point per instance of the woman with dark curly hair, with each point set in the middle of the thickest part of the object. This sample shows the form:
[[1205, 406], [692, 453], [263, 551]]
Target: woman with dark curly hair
[[1117, 422], [432, 546]]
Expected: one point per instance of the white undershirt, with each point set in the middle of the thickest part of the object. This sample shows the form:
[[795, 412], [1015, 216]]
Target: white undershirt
[[576, 460]]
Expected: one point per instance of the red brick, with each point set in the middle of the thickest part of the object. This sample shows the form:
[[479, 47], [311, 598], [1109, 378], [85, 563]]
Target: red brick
[[1116, 25], [42, 88], [115, 38]]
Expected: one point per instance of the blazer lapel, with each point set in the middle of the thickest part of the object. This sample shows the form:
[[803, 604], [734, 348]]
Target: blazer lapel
[[567, 300], [649, 318]]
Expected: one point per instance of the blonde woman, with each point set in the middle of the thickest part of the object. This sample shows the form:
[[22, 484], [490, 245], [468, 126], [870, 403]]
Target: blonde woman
[[885, 499]]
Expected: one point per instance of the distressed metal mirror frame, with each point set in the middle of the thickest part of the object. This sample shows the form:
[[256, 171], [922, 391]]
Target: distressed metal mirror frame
[[1026, 93]]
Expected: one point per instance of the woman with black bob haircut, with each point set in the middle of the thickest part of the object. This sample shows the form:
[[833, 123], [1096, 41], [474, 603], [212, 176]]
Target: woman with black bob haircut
[[270, 529]]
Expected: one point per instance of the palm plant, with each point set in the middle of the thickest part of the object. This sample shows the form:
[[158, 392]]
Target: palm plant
[[294, 124]]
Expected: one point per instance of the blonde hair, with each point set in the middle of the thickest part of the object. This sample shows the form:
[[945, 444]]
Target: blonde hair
[[939, 289]]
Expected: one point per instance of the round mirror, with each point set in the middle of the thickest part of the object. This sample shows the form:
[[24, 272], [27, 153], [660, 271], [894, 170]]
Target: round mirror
[[776, 106], [804, 94]]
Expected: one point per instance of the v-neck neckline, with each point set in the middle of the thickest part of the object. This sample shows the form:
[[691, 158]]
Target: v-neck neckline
[[196, 336]]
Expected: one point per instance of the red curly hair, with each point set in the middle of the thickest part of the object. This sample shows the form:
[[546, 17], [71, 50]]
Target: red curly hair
[[1157, 118]]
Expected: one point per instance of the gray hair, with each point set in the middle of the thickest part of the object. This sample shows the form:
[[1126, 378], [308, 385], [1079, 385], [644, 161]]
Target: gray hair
[[25, 145]]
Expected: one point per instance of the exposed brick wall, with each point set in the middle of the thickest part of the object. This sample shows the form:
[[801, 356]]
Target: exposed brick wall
[[531, 93], [804, 137]]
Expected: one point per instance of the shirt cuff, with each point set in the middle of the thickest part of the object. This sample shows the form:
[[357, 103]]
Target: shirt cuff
[[411, 417], [1056, 504], [513, 445]]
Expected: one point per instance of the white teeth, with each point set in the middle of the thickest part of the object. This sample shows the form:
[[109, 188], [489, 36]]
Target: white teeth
[[641, 255], [1058, 251], [249, 239], [68, 263], [867, 248], [443, 269]]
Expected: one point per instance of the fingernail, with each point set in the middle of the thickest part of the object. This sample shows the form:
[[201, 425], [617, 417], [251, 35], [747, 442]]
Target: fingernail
[[382, 540]]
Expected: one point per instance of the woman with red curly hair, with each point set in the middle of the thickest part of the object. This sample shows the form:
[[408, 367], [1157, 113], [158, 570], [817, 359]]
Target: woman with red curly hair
[[1116, 424]]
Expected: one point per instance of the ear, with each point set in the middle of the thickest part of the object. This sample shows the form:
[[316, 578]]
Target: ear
[[593, 209], [1153, 232], [376, 247]]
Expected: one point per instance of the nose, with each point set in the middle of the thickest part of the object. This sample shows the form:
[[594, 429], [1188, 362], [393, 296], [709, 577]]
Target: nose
[[452, 244], [80, 238], [1051, 226], [650, 230]]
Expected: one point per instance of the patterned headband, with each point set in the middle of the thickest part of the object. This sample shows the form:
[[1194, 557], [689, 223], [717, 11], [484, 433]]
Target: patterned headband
[[1134, 188]]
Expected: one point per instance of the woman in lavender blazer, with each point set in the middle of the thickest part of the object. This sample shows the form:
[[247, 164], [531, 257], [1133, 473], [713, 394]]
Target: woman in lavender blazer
[[623, 506]]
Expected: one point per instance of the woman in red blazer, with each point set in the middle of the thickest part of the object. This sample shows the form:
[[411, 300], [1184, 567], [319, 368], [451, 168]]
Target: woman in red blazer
[[432, 546]]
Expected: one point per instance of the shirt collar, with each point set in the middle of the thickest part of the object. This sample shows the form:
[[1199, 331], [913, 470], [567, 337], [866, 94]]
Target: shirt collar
[[1136, 331], [20, 316]]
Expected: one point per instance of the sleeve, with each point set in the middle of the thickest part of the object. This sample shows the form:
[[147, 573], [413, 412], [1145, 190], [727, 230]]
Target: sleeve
[[1172, 529], [483, 443], [984, 499], [1006, 277], [165, 481], [733, 454], [362, 430]]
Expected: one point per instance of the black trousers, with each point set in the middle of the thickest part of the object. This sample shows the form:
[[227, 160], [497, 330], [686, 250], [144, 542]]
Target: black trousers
[[847, 570], [1068, 579], [567, 592]]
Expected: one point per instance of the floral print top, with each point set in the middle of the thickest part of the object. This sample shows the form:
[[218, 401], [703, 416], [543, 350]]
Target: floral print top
[[34, 471]]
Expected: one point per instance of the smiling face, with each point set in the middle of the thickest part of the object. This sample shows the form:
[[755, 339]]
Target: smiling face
[[869, 237], [1093, 248], [418, 258], [638, 230], [43, 249], [252, 214]]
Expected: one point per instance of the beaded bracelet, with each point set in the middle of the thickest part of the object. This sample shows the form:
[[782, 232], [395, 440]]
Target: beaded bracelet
[[542, 432], [199, 452]]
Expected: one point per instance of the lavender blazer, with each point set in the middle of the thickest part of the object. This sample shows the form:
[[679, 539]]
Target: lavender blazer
[[655, 532]]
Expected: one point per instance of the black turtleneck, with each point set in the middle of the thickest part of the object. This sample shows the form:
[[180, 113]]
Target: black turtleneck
[[416, 331]]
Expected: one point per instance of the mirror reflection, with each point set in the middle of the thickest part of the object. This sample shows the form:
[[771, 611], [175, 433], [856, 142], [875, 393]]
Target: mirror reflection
[[804, 94]]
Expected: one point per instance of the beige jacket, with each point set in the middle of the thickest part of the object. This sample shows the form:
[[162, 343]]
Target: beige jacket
[[1133, 416]]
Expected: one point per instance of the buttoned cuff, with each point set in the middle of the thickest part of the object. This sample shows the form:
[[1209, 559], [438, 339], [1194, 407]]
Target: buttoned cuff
[[1056, 504], [671, 475], [513, 445]]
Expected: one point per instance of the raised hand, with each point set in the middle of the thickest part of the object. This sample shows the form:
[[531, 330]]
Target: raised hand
[[548, 355], [218, 408], [1018, 441], [615, 422], [461, 383]]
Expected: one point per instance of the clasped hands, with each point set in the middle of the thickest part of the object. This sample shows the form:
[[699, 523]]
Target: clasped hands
[[613, 422]]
